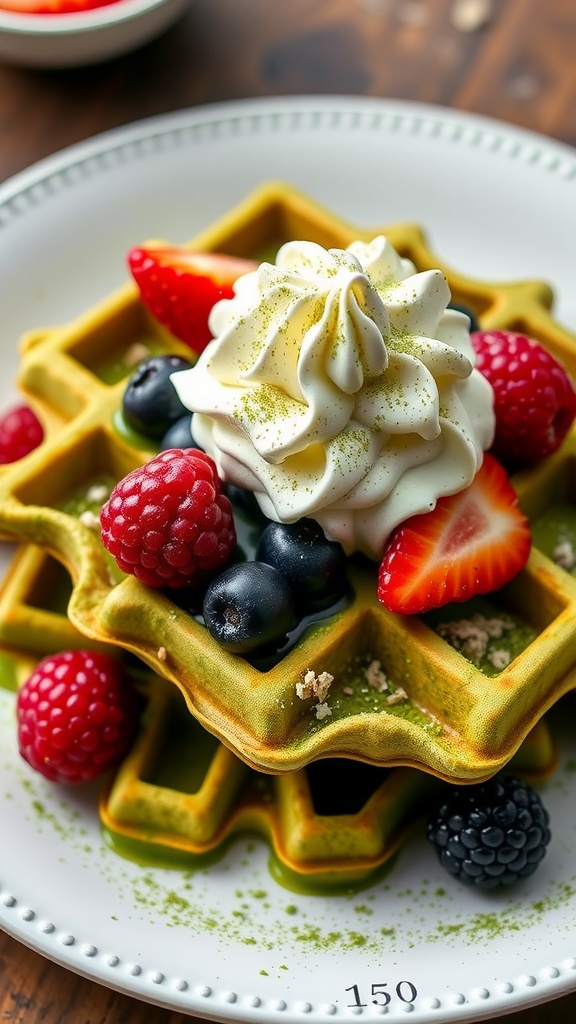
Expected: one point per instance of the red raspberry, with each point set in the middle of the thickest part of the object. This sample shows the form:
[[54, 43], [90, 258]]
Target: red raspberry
[[20, 433], [77, 715], [534, 398], [167, 523]]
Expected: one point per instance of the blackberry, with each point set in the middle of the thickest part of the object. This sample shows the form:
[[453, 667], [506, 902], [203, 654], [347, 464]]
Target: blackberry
[[492, 834]]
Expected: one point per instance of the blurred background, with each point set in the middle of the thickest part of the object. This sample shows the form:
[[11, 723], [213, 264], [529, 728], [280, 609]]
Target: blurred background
[[512, 59]]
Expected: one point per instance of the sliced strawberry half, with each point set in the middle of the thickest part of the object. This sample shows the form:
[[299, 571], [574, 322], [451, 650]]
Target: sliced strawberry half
[[471, 543], [180, 287]]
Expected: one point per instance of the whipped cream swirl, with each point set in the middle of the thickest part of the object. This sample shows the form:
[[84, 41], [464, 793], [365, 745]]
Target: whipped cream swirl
[[339, 386]]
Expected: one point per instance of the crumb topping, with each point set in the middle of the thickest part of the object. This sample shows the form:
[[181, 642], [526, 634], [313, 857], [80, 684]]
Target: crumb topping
[[398, 697], [135, 353], [564, 555], [316, 686], [89, 519], [376, 677], [323, 711], [472, 636], [97, 494], [500, 658]]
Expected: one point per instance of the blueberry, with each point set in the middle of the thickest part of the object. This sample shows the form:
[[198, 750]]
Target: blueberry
[[247, 606], [150, 404], [474, 322], [179, 434], [245, 500], [315, 566]]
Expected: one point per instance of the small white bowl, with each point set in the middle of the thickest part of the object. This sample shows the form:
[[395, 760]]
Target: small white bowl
[[84, 37]]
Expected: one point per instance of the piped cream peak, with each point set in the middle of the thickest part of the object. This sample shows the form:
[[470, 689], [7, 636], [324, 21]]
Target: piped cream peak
[[339, 386]]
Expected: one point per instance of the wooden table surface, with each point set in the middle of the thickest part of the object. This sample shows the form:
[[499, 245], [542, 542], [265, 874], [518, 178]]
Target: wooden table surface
[[511, 59]]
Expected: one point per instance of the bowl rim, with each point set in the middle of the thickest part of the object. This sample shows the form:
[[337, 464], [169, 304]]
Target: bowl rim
[[74, 22]]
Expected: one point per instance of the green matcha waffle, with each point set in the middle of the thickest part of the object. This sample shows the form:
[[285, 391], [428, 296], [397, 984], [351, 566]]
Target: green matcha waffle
[[180, 797], [441, 712]]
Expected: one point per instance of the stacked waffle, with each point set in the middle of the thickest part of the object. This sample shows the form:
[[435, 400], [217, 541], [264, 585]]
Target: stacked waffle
[[226, 745]]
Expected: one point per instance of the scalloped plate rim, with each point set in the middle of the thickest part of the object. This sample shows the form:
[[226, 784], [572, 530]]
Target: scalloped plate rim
[[65, 177]]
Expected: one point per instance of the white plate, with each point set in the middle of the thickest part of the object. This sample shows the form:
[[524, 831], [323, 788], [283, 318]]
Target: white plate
[[228, 942]]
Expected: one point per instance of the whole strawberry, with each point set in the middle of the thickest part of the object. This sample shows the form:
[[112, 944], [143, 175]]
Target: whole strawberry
[[534, 398], [20, 433], [167, 522], [77, 715]]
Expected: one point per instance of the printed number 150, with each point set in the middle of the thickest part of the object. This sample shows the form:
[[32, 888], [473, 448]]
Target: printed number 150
[[405, 991]]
